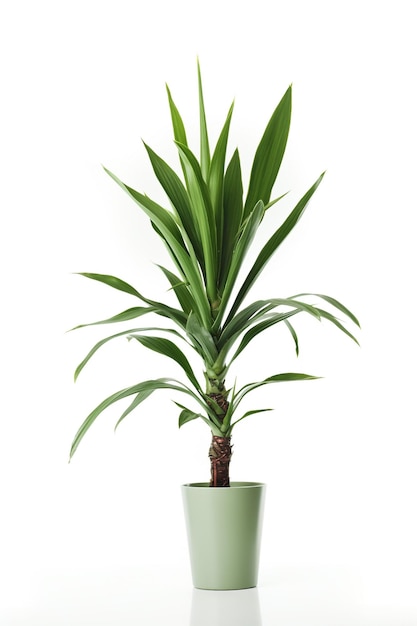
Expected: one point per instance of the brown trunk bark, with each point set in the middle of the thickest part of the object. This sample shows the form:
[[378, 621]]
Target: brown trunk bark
[[220, 453]]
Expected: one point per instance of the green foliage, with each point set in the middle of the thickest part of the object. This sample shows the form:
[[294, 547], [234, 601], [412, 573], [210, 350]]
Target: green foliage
[[208, 229]]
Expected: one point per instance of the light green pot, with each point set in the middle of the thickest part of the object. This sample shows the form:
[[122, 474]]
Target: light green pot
[[224, 526]]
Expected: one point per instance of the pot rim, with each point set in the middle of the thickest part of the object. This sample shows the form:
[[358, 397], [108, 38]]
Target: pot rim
[[235, 484]]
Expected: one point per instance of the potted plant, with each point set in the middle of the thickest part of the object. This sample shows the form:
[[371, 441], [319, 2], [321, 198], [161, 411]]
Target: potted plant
[[208, 230]]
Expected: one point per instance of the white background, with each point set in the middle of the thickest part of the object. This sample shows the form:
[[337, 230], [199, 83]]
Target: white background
[[102, 540]]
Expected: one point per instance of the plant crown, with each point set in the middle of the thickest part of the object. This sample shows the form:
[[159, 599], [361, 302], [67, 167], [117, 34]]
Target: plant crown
[[208, 230]]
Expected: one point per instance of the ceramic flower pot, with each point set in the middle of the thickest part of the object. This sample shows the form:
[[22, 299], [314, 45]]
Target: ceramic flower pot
[[224, 528]]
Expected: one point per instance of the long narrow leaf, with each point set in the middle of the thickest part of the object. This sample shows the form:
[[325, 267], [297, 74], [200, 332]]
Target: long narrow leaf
[[200, 336], [335, 303], [161, 309], [271, 246], [187, 415], [124, 333], [277, 378], [170, 350], [328, 316], [136, 401], [256, 312], [270, 319], [180, 290], [141, 388], [177, 194], [203, 216], [269, 154], [113, 281], [177, 123], [204, 140], [216, 178], [248, 232], [275, 200], [242, 320], [166, 225], [124, 316], [247, 414], [232, 214], [293, 335], [274, 318]]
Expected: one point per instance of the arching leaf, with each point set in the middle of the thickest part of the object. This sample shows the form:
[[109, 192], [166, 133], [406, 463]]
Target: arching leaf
[[277, 378], [170, 350], [247, 414], [124, 333], [159, 307], [294, 336], [124, 316], [136, 401], [144, 390], [338, 305]]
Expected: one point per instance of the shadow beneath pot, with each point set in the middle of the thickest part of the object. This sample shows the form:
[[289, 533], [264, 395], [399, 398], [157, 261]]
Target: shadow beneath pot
[[225, 608]]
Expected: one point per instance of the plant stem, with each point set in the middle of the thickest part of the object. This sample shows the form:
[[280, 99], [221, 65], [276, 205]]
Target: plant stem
[[220, 451], [220, 454]]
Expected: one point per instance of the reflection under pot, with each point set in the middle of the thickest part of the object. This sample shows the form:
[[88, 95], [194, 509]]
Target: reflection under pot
[[225, 608]]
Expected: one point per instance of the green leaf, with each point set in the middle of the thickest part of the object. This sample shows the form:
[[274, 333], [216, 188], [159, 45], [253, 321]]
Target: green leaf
[[171, 235], [187, 416], [338, 305], [90, 419], [328, 316], [253, 412], [294, 336], [272, 202], [114, 282], [232, 214], [201, 337], [145, 389], [177, 194], [170, 350], [271, 320], [159, 308], [271, 246], [177, 123], [248, 231], [258, 312], [269, 154], [130, 314], [242, 320], [159, 216], [180, 290], [277, 378], [138, 400], [204, 141], [124, 333], [203, 215], [215, 180]]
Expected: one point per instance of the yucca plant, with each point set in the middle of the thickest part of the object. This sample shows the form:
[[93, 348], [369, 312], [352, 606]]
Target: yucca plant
[[208, 230]]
